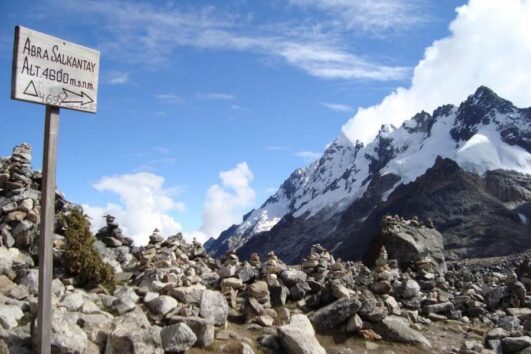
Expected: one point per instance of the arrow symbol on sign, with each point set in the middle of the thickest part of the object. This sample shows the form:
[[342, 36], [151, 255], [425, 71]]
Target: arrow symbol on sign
[[74, 97]]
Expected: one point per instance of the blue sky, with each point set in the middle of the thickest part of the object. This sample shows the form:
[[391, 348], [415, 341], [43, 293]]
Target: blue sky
[[189, 89]]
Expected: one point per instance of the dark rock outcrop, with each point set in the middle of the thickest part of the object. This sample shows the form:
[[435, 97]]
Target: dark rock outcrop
[[407, 241]]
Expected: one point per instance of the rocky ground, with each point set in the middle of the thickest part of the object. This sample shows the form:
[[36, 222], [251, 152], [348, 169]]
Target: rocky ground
[[171, 296]]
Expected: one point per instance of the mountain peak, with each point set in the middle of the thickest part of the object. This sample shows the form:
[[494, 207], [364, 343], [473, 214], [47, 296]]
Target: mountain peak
[[484, 91], [483, 133], [488, 99]]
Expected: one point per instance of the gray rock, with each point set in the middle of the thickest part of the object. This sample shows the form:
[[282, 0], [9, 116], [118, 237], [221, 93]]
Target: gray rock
[[525, 351], [291, 277], [3, 348], [58, 288], [6, 260], [497, 333], [29, 278], [515, 344], [133, 334], [270, 342], [177, 338], [410, 288], [519, 312], [407, 242], [73, 301], [126, 300], [443, 307], [396, 329], [495, 345], [246, 349], [509, 323], [214, 307], [203, 329], [150, 295], [494, 296], [7, 238], [298, 337], [19, 292], [227, 271], [97, 327], [334, 314], [24, 234], [6, 284], [258, 289], [377, 314], [188, 294], [247, 273], [9, 315], [162, 305], [471, 346], [278, 295], [67, 336], [89, 307], [354, 324]]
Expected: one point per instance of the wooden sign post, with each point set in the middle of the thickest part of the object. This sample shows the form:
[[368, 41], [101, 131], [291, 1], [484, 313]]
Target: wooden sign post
[[56, 73]]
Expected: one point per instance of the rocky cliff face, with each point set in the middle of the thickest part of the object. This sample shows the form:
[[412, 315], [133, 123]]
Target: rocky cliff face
[[338, 199]]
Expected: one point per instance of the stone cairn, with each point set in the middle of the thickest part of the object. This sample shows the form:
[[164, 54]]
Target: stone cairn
[[111, 234], [171, 295], [19, 199]]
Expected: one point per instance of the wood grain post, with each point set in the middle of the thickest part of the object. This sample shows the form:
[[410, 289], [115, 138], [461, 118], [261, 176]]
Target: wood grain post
[[44, 314]]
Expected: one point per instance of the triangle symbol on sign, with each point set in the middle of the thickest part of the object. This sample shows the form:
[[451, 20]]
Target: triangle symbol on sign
[[31, 90]]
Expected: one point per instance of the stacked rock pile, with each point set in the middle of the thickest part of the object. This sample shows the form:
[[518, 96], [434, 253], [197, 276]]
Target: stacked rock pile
[[171, 295], [19, 199]]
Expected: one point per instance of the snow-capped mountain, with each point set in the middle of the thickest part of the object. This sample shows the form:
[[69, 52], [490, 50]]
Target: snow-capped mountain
[[484, 133]]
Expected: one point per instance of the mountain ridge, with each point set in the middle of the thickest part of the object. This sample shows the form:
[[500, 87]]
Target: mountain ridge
[[483, 133]]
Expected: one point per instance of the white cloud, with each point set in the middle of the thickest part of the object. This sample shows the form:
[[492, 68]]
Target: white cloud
[[370, 15], [489, 44], [338, 107], [225, 203], [144, 205], [146, 35], [216, 96], [308, 156], [118, 78], [170, 98], [332, 63]]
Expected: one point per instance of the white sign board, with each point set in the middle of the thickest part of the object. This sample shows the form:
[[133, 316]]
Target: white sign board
[[54, 72]]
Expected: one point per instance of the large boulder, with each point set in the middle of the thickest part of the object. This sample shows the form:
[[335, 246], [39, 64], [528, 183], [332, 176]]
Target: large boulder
[[73, 301], [162, 305], [407, 242], [334, 314], [126, 300], [298, 337], [188, 294], [133, 334], [9, 316], [292, 276], [177, 338], [214, 307], [67, 336], [203, 329], [96, 326], [397, 329]]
